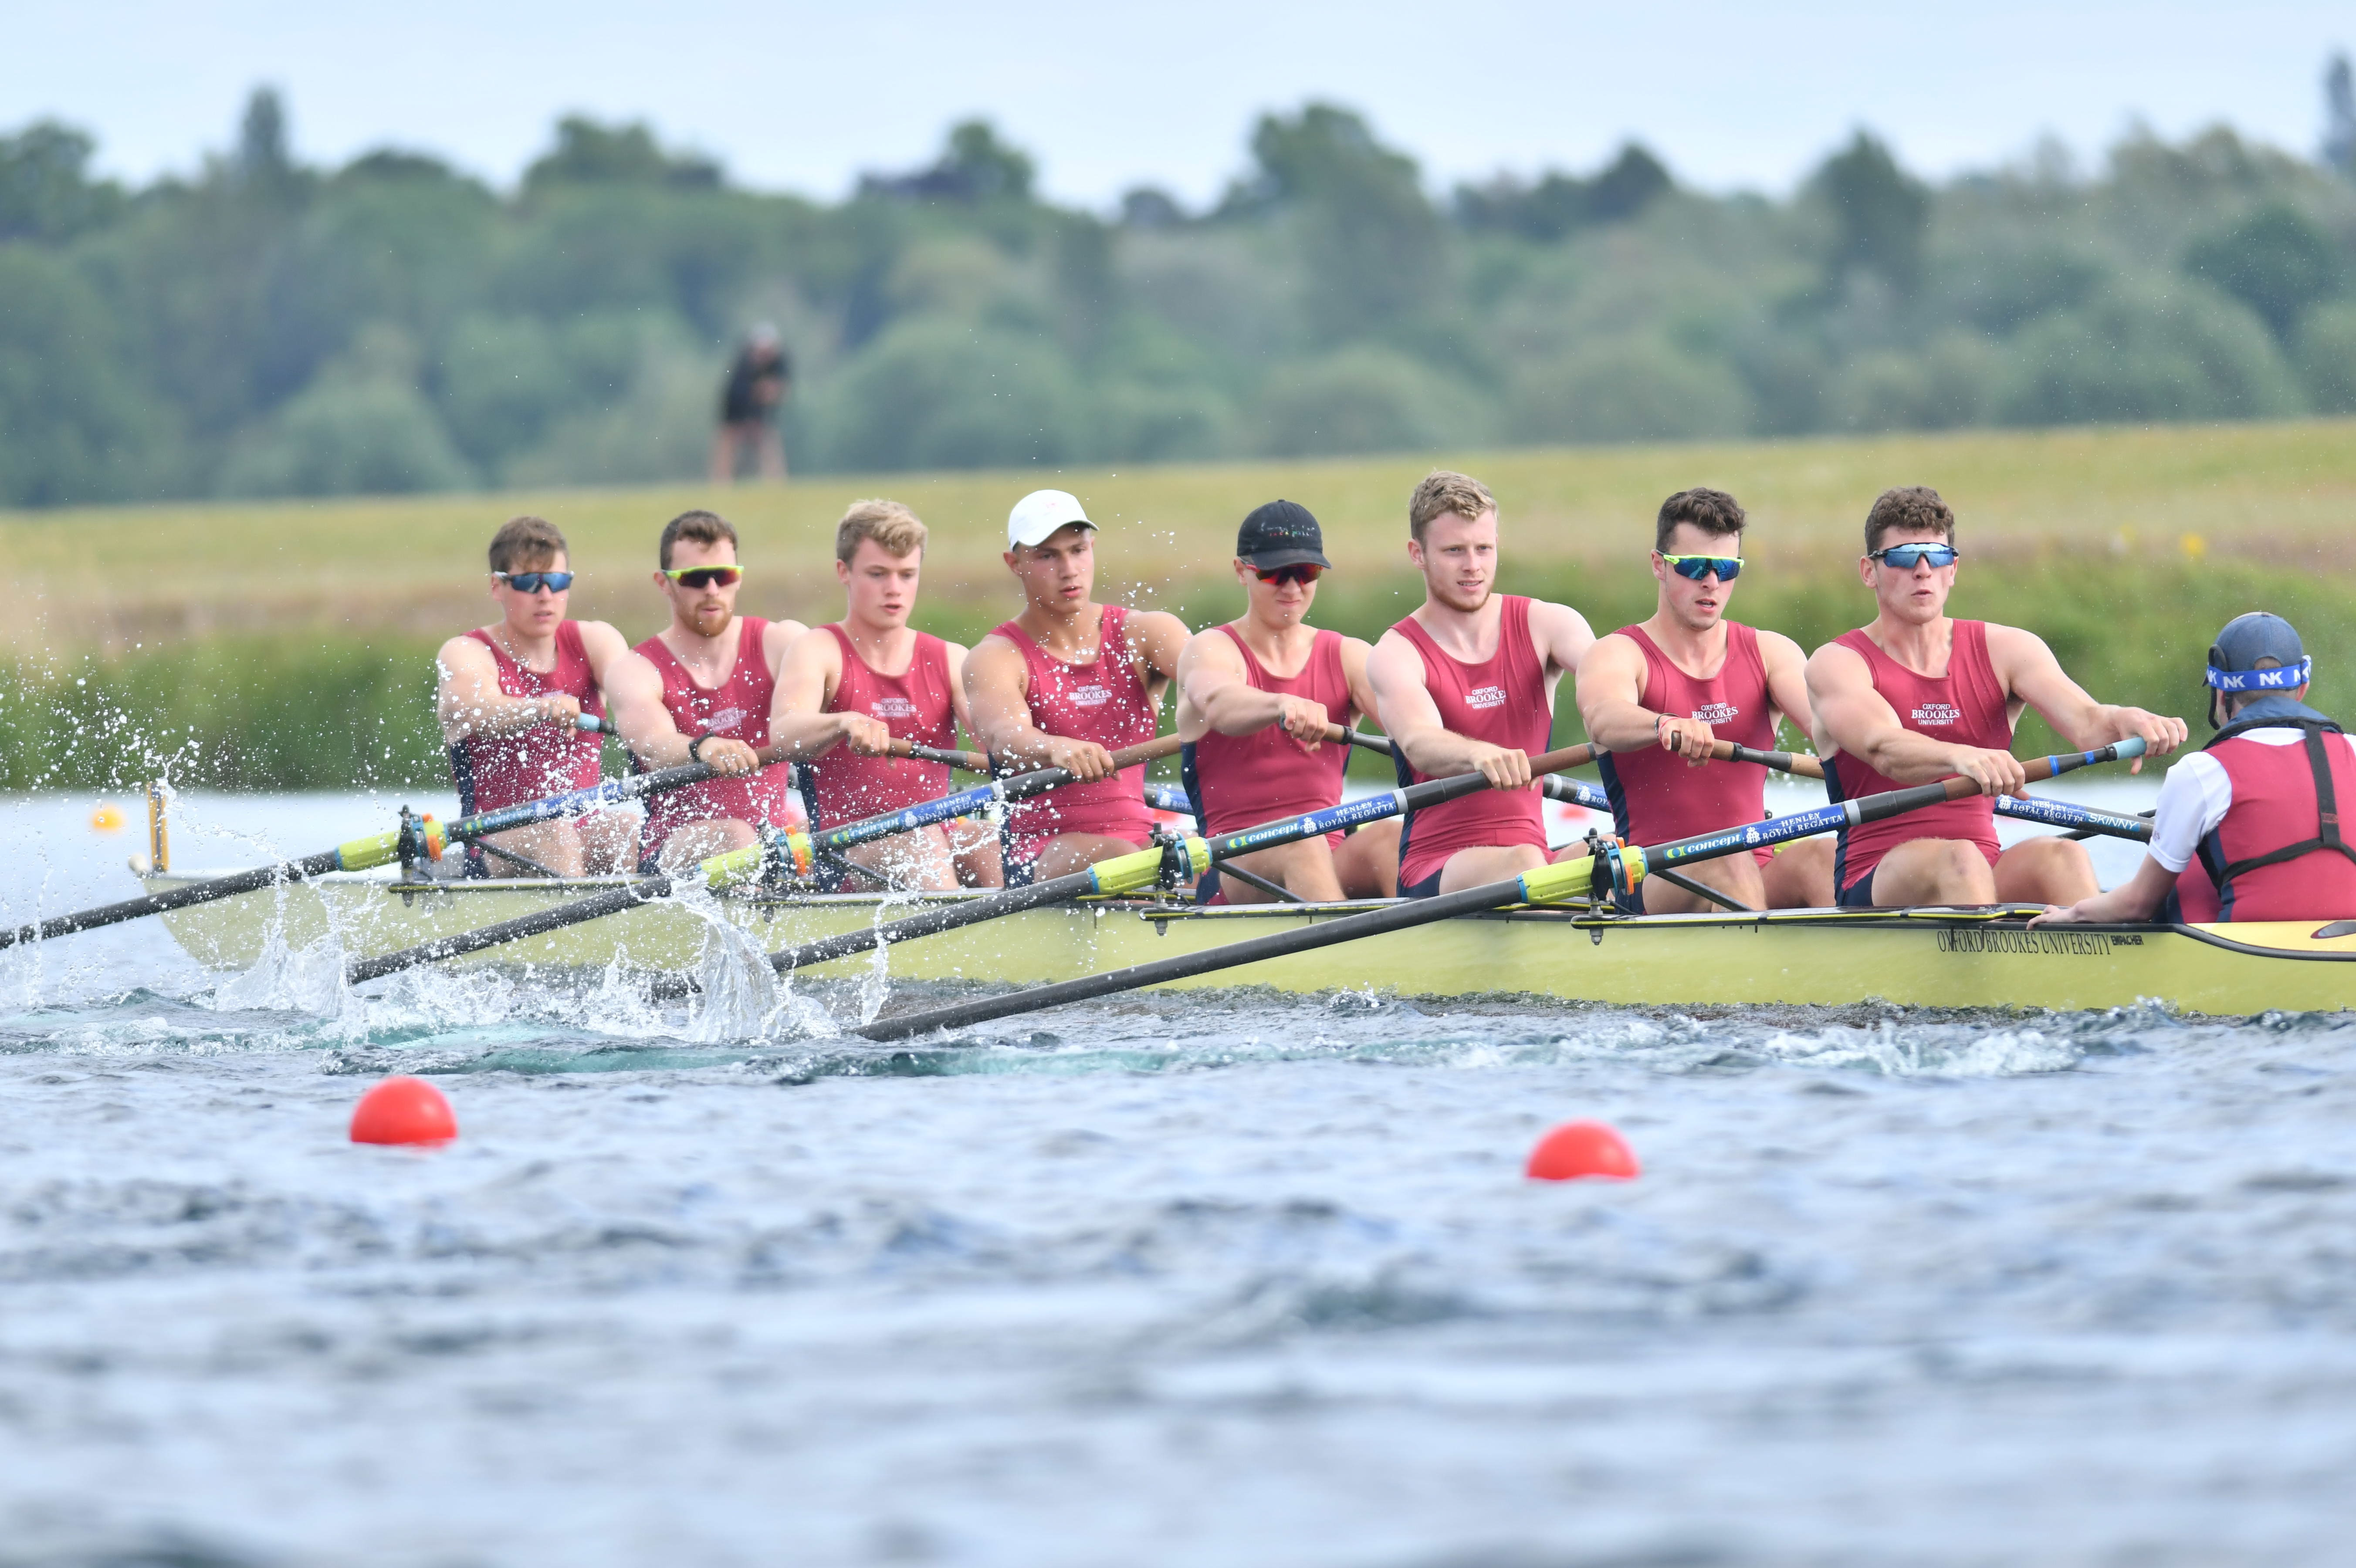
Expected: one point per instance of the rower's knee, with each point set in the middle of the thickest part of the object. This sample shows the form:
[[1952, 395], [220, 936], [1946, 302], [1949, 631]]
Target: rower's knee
[[1934, 870], [2046, 870]]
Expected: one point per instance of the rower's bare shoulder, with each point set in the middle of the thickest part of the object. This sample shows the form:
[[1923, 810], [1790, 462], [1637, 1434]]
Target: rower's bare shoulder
[[602, 642], [1157, 633], [1613, 654], [1395, 659], [1837, 667], [2015, 647], [777, 639], [1774, 648], [462, 652], [1560, 624], [1214, 648], [815, 649], [995, 657]]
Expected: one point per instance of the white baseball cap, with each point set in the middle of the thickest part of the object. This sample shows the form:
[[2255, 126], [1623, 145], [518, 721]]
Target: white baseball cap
[[1036, 516]]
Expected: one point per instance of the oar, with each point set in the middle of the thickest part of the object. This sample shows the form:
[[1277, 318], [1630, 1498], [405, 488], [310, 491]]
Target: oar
[[2088, 821], [423, 835], [968, 762], [1145, 869], [1547, 884], [794, 852]]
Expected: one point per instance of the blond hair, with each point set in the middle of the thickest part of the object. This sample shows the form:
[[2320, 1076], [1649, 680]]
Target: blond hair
[[1442, 492], [896, 529]]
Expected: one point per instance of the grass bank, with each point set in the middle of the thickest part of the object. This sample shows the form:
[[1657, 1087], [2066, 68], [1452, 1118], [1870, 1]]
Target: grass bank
[[289, 646]]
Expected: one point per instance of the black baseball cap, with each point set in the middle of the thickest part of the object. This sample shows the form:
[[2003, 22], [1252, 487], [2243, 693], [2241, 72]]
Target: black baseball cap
[[1282, 533]]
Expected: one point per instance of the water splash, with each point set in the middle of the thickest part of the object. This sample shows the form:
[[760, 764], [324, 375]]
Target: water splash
[[740, 995]]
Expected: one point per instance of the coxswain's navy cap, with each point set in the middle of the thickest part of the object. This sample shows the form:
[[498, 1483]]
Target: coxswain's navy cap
[[1282, 533], [2234, 658]]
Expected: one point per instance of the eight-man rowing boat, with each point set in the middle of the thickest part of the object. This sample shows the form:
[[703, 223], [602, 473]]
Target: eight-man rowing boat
[[1933, 957]]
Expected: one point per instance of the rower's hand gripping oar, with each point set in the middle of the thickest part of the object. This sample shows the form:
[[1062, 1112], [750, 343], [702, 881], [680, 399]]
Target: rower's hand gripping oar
[[795, 855], [1149, 869], [417, 836], [1624, 865]]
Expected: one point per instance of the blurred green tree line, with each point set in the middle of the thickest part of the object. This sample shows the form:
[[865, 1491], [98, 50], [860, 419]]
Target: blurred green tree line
[[265, 327]]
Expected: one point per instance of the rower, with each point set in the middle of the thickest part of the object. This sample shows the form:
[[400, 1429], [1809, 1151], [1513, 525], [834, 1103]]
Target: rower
[[509, 700], [1466, 684], [1062, 686], [699, 691], [1255, 697], [1659, 693], [2248, 827], [850, 689], [1916, 697]]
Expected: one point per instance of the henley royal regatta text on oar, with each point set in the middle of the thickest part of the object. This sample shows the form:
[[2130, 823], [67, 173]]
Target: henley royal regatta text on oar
[[1626, 866]]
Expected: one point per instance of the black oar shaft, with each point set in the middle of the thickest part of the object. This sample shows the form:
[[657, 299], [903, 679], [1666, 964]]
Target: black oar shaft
[[1186, 965], [250, 881], [361, 854], [458, 944]]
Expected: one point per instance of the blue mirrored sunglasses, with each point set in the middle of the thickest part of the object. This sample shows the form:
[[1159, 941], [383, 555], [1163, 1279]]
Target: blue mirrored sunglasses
[[533, 581], [1905, 556], [1694, 568]]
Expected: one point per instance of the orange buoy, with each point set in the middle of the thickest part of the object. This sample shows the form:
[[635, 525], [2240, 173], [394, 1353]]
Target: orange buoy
[[1580, 1149], [404, 1111], [107, 818]]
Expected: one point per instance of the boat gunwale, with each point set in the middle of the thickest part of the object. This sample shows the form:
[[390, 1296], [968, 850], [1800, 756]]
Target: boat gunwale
[[2001, 916]]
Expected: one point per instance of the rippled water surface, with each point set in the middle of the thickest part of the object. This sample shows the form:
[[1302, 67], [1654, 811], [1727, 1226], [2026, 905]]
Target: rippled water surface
[[1219, 1279]]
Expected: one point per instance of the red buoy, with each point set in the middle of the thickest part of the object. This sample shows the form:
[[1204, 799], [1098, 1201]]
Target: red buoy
[[404, 1111], [1578, 1149]]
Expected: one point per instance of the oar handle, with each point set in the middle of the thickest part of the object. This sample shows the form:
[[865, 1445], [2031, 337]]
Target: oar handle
[[1570, 757], [2037, 768], [970, 762], [1798, 764], [595, 723], [1151, 751]]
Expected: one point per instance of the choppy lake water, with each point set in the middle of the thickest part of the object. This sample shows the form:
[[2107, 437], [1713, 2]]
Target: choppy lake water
[[1220, 1279]]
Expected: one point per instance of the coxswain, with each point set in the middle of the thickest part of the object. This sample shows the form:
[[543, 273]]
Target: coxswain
[[2248, 827], [1255, 697], [851, 687], [1466, 684], [1658, 694], [1065, 684], [510, 699], [699, 691], [1916, 697]]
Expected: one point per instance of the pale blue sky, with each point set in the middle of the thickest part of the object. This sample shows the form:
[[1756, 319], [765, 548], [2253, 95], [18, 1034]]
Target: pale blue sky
[[1108, 96]]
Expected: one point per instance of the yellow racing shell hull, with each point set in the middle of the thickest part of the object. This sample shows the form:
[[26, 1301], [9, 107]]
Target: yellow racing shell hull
[[1926, 957]]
